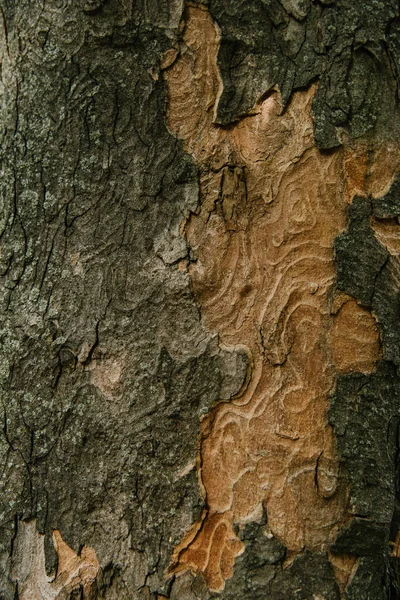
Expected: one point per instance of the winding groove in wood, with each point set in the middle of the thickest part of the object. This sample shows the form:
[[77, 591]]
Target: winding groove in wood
[[271, 207]]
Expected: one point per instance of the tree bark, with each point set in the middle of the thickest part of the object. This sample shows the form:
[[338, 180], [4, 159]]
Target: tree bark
[[200, 266]]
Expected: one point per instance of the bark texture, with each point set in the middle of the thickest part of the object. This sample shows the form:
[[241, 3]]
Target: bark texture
[[200, 263]]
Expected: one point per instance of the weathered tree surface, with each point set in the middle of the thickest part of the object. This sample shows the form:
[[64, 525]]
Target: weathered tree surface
[[200, 300]]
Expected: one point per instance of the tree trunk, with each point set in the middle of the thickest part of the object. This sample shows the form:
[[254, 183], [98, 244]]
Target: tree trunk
[[200, 265]]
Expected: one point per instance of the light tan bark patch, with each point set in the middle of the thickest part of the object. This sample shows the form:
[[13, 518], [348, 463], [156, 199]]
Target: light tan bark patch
[[271, 208], [75, 572], [344, 566], [387, 232], [106, 375]]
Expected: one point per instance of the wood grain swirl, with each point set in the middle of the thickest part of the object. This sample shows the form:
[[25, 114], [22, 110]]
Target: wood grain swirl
[[271, 207]]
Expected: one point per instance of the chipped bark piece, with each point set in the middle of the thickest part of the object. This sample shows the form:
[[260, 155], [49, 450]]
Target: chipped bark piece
[[344, 566], [387, 232], [370, 168], [354, 339], [74, 572], [395, 553], [272, 206]]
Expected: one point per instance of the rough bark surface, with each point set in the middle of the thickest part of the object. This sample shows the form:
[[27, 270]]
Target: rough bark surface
[[200, 265]]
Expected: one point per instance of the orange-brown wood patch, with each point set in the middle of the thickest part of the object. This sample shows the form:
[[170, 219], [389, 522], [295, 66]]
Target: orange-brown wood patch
[[271, 207]]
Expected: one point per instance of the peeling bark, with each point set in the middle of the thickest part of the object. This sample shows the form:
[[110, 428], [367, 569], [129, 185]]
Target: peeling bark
[[200, 277], [272, 206], [75, 573]]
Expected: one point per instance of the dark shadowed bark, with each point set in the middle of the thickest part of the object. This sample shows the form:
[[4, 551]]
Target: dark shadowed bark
[[200, 308]]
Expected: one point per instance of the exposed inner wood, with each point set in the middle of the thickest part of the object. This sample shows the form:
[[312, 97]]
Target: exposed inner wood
[[395, 546], [344, 567], [354, 337], [75, 572], [271, 207], [387, 232]]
